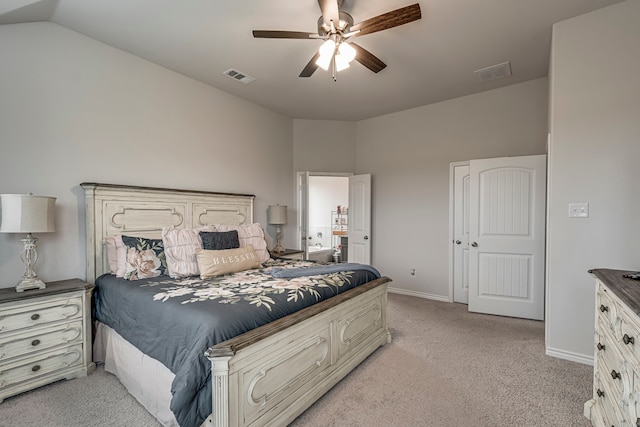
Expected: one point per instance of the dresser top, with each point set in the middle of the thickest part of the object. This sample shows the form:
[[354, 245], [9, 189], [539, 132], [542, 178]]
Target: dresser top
[[628, 290], [10, 294]]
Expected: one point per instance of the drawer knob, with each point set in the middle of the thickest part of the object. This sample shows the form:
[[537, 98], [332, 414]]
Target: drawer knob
[[35, 342], [615, 374], [35, 368], [627, 339], [600, 393], [603, 308], [35, 316], [601, 346]]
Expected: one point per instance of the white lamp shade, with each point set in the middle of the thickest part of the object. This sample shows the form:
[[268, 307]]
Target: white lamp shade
[[26, 213], [328, 48], [347, 51], [341, 63], [277, 215], [324, 61]]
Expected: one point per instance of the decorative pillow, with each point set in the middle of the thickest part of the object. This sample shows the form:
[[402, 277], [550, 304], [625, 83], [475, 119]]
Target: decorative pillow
[[180, 250], [219, 240], [116, 255], [249, 234], [218, 263], [145, 258]]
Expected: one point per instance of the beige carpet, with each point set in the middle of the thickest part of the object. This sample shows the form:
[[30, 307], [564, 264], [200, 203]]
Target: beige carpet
[[445, 367], [449, 367]]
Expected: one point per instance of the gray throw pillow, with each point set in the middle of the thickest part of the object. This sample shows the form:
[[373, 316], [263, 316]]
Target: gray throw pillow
[[219, 240]]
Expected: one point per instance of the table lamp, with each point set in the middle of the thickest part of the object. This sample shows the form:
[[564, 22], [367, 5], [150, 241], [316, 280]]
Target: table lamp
[[26, 213], [277, 215]]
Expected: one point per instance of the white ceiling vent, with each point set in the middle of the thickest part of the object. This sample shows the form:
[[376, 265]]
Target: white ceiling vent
[[237, 75], [494, 72]]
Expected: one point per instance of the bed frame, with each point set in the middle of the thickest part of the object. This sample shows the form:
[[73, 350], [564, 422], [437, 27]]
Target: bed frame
[[270, 375]]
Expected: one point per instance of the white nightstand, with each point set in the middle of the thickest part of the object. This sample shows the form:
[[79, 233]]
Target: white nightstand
[[289, 254], [45, 335]]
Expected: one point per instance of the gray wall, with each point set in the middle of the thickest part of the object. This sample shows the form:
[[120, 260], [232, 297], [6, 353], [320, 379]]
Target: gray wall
[[324, 146], [74, 110], [408, 154], [595, 148]]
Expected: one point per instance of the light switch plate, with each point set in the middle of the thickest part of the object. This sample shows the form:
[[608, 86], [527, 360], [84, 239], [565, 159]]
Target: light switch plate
[[578, 210]]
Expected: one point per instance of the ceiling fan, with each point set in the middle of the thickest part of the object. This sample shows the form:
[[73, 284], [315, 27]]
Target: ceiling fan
[[336, 28]]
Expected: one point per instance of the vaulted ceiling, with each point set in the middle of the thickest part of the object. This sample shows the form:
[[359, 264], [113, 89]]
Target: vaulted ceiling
[[429, 60]]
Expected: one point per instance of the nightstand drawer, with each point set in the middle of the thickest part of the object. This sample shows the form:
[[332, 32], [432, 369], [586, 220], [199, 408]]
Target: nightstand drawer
[[12, 345], [39, 365], [27, 315]]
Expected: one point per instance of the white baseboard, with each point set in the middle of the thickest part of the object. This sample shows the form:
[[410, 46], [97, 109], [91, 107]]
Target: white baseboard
[[568, 355], [418, 294]]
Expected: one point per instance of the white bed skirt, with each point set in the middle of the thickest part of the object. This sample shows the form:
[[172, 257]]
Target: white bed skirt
[[146, 379]]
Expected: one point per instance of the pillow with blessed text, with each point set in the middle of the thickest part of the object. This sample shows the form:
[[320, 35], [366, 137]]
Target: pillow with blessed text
[[217, 263]]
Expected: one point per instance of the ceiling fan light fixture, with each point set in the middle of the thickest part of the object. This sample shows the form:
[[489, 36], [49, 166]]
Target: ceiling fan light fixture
[[328, 48], [347, 51], [324, 61], [341, 62]]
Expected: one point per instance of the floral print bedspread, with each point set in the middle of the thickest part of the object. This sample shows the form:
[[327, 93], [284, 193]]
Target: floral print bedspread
[[254, 286]]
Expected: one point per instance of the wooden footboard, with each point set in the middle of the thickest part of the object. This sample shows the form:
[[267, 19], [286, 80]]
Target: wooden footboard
[[270, 375]]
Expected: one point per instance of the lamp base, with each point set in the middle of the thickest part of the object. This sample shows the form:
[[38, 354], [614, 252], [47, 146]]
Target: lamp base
[[30, 283], [278, 249]]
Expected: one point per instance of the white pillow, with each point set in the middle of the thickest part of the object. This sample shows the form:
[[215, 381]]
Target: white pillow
[[249, 234], [180, 247], [116, 255]]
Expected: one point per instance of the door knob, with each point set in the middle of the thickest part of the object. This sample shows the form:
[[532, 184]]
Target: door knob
[[458, 242], [366, 237], [474, 244]]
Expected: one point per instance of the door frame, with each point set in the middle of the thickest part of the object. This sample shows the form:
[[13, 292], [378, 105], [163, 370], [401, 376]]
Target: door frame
[[452, 167]]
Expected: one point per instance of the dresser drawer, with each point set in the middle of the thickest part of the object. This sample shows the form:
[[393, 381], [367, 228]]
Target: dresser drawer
[[611, 406], [607, 308], [39, 365], [28, 315], [615, 372], [12, 345], [628, 337]]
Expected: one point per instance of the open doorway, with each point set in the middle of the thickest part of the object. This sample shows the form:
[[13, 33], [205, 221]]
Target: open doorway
[[349, 232], [328, 210]]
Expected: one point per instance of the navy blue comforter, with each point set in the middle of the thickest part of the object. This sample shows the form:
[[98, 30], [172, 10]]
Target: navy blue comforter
[[175, 321]]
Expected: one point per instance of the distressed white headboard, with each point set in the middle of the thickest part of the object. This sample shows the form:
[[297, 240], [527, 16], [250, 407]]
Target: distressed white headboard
[[112, 209]]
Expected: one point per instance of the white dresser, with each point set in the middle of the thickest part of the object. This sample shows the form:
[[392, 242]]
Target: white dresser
[[616, 373], [45, 335]]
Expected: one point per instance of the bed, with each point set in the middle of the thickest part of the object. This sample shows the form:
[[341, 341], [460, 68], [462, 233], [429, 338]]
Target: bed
[[267, 374]]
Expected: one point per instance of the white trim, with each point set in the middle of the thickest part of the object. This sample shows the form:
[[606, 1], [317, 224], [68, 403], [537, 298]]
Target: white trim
[[419, 294], [569, 355], [547, 305], [452, 167]]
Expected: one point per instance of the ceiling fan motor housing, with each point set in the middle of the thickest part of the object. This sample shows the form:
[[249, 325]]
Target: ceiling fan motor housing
[[346, 21]]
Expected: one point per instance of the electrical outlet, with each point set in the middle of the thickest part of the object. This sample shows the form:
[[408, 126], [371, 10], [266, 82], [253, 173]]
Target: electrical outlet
[[412, 272], [578, 210]]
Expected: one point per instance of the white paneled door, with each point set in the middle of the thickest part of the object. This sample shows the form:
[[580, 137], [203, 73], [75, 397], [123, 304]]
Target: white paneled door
[[461, 234], [507, 236], [360, 219]]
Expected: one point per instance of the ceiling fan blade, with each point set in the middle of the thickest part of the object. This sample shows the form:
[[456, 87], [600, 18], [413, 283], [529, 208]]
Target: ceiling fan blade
[[395, 18], [311, 66], [368, 59], [276, 34], [330, 12]]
